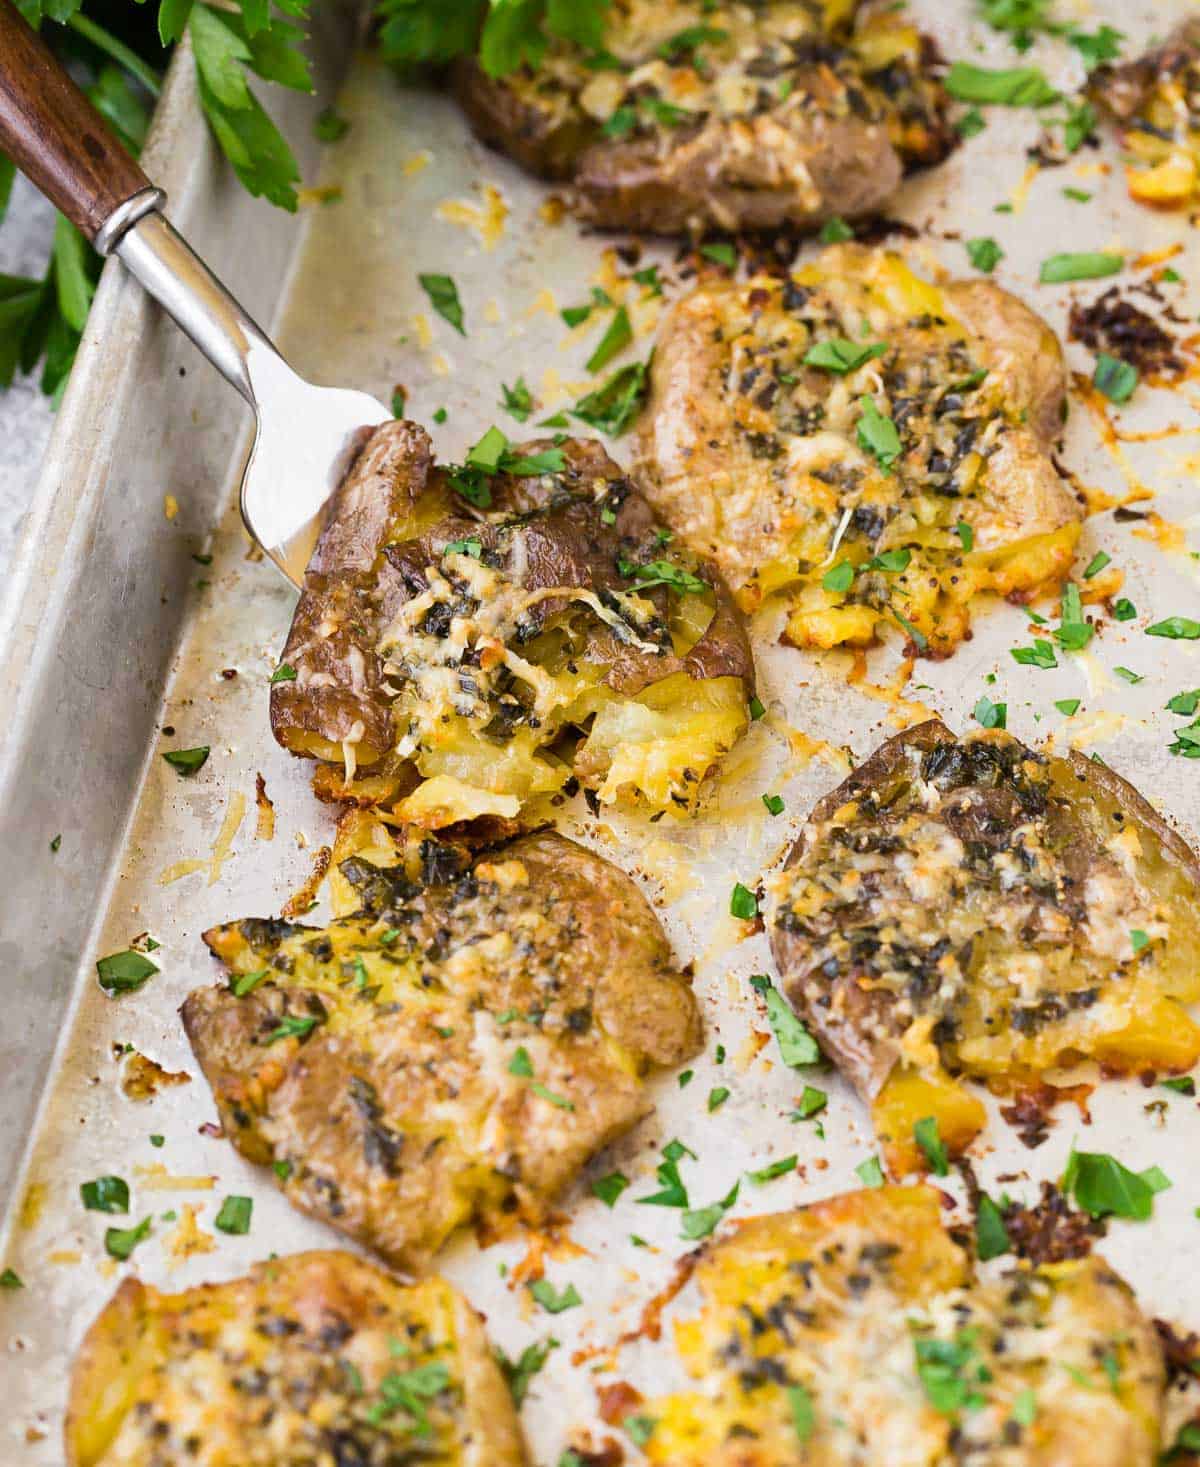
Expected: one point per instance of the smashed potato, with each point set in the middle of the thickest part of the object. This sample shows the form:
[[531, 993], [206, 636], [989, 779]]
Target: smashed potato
[[1156, 100], [878, 446], [733, 116], [967, 907], [855, 1331], [312, 1358], [465, 1034], [472, 638]]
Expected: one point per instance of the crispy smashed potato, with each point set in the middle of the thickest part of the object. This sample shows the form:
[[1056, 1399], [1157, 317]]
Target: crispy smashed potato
[[465, 1034], [1156, 101], [737, 116], [877, 445], [855, 1331], [469, 640], [967, 907], [313, 1358]]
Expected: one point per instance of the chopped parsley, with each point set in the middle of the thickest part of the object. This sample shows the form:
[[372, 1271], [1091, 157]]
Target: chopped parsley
[[560, 1102], [11, 1279], [673, 1193], [1096, 564], [615, 404], [984, 253], [521, 1064], [520, 1372], [1177, 628], [797, 1047], [929, 1139], [717, 1097], [743, 904], [991, 1235], [443, 297], [613, 342], [186, 762], [869, 1172], [1114, 378], [517, 400], [774, 804], [1181, 1084], [951, 1372], [812, 1102], [284, 673], [1124, 609], [124, 972], [1075, 632], [293, 1026], [838, 578], [842, 356], [1068, 707], [551, 1300], [1041, 654], [1059, 269], [609, 1188], [991, 715], [775, 1169], [835, 231], [1103, 1187], [639, 1429], [877, 435], [105, 1194], [120, 1242], [720, 254], [664, 573], [756, 709], [471, 547], [699, 1222], [1022, 86], [246, 983], [966, 536], [234, 1216]]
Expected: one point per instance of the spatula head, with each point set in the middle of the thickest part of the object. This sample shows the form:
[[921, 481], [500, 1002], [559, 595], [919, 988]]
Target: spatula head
[[306, 440]]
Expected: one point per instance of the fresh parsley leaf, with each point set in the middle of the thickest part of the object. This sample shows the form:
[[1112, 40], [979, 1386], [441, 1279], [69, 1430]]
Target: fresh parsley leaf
[[812, 1102], [293, 1026], [991, 715], [757, 710], [284, 673], [519, 1373], [991, 1235], [971, 123], [1103, 1187], [106, 1194], [1124, 609], [720, 254], [120, 1242], [1177, 628], [685, 42], [869, 1172], [1067, 706], [835, 231], [1059, 269], [609, 1188], [1185, 704], [1096, 564], [1041, 654], [797, 1047], [1022, 86], [1079, 125], [443, 297], [234, 1216], [966, 536], [517, 400], [520, 1064], [639, 1429], [836, 354], [1075, 632], [699, 1222], [877, 434], [1097, 48], [717, 1097], [613, 406], [673, 1193], [560, 1102], [774, 804], [124, 972], [665, 573], [984, 253], [1181, 1084], [470, 547], [800, 1404], [774, 1169], [613, 342], [187, 761], [551, 1300], [11, 1279], [1114, 378], [929, 1139], [743, 904], [838, 578]]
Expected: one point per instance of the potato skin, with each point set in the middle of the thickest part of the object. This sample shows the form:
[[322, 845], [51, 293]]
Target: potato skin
[[163, 1377], [1077, 820], [836, 141], [482, 1022]]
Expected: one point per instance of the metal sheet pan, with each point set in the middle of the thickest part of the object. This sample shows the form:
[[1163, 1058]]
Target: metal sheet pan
[[114, 631]]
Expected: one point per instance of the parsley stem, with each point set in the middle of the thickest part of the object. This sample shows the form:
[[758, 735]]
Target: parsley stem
[[120, 53]]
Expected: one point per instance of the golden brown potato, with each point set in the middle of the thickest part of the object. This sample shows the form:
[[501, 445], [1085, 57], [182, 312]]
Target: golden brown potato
[[854, 1331], [489, 635], [734, 116], [965, 906], [879, 446], [316, 1358], [461, 1039], [1156, 100]]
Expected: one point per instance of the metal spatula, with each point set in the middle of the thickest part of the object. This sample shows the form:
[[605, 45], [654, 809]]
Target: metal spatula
[[305, 435]]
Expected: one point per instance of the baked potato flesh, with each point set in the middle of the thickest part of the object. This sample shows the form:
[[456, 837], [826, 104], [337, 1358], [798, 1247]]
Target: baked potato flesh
[[878, 446], [312, 1358], [855, 1331], [466, 1033], [491, 649], [966, 907], [737, 116], [1156, 101]]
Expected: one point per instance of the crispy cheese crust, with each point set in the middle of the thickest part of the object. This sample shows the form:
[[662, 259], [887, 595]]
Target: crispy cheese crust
[[454, 1046], [737, 116], [475, 653], [775, 466], [965, 906], [316, 1358], [1156, 101], [855, 1331]]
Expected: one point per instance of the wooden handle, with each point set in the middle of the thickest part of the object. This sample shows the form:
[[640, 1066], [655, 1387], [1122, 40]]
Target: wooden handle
[[53, 133]]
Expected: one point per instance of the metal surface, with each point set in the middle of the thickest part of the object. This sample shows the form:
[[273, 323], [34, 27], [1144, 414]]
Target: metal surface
[[125, 216], [95, 644]]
